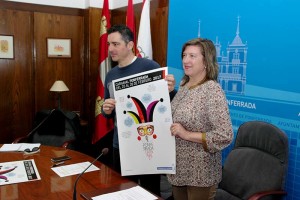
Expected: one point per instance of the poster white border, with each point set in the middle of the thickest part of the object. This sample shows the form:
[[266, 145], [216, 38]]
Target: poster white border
[[145, 141]]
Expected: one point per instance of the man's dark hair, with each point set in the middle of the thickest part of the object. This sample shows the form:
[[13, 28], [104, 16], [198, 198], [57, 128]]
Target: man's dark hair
[[126, 33]]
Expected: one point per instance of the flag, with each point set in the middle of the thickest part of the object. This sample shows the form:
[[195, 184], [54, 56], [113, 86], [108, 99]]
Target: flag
[[144, 44], [130, 21], [102, 124]]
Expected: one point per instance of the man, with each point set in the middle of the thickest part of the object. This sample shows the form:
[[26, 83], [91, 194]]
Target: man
[[120, 48]]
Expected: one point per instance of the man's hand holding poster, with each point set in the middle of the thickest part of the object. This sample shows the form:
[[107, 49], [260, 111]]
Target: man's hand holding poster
[[144, 119]]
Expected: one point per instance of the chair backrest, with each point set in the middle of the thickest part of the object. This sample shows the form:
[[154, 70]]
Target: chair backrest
[[55, 127], [257, 162]]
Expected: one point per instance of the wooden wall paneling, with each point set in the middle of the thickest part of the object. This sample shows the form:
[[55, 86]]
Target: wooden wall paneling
[[48, 70], [40, 8], [118, 16], [93, 18], [26, 80], [159, 31], [16, 76], [85, 108]]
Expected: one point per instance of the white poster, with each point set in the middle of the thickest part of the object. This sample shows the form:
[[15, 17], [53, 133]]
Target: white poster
[[18, 171], [144, 119]]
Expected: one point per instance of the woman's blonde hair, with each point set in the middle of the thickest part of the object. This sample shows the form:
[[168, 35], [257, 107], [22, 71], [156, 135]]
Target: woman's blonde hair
[[208, 51]]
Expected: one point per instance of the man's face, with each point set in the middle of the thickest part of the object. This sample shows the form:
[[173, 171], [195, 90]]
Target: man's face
[[117, 48]]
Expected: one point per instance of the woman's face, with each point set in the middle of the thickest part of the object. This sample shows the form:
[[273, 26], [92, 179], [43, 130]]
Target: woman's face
[[192, 60]]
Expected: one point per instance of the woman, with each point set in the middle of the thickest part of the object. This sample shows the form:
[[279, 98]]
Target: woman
[[202, 124]]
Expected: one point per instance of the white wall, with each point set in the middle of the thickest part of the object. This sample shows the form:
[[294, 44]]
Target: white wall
[[113, 4]]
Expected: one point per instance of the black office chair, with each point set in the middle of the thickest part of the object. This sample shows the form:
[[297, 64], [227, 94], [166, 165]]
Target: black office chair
[[256, 167], [54, 128]]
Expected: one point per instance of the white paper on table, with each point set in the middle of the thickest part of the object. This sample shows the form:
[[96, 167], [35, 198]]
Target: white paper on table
[[72, 169], [134, 193], [18, 146], [144, 118], [10, 147]]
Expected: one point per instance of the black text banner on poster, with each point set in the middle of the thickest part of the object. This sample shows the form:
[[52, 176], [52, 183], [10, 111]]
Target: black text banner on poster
[[139, 80]]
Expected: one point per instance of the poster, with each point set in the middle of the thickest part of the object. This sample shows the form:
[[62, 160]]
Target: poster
[[18, 171], [144, 119]]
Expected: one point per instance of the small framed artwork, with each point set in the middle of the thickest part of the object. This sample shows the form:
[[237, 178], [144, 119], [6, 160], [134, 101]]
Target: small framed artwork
[[6, 47], [58, 48]]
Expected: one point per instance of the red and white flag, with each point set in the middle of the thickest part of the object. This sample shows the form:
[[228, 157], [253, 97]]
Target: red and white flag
[[144, 44], [102, 124], [130, 21]]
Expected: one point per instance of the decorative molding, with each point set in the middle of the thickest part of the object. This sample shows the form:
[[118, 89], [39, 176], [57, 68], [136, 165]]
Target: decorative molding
[[82, 4]]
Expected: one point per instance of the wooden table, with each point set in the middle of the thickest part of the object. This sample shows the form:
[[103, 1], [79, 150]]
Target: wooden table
[[51, 186]]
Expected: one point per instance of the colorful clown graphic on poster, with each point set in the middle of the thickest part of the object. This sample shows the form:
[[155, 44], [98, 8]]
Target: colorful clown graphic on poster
[[144, 119]]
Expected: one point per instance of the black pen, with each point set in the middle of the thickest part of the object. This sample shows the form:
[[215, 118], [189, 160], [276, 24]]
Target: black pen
[[57, 164]]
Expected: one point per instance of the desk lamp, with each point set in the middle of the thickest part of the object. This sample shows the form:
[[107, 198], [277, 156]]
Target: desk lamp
[[59, 86]]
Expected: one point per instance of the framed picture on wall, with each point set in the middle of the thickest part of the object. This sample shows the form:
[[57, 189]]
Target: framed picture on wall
[[6, 47], [58, 48]]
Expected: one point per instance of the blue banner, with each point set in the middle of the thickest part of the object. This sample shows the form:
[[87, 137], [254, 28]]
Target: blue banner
[[257, 46]]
